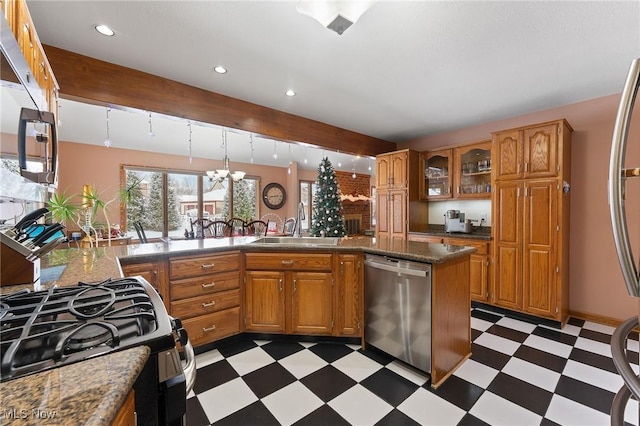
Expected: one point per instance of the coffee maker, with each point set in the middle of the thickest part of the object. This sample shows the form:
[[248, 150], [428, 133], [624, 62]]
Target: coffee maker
[[454, 221]]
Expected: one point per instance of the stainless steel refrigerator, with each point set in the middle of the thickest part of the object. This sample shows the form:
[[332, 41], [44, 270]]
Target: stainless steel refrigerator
[[624, 172]]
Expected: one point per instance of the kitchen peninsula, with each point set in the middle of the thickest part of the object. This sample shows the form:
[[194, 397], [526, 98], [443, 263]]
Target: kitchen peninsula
[[178, 267]]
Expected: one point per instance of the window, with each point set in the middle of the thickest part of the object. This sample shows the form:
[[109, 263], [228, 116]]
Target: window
[[166, 202], [11, 164], [245, 199], [307, 197]]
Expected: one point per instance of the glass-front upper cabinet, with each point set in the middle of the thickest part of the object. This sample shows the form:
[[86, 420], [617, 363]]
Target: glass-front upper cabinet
[[438, 167], [473, 170]]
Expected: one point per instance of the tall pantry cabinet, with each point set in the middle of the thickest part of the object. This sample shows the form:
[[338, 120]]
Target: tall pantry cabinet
[[532, 175], [399, 209]]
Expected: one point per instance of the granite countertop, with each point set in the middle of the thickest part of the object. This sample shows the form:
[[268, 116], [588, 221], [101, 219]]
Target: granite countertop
[[63, 267], [91, 391], [84, 393]]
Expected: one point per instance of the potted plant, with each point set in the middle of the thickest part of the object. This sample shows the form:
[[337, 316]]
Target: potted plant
[[91, 197], [62, 208]]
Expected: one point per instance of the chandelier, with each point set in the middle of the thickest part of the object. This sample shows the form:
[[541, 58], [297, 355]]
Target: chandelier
[[221, 174]]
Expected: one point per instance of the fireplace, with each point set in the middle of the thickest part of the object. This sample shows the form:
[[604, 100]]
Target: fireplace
[[353, 223]]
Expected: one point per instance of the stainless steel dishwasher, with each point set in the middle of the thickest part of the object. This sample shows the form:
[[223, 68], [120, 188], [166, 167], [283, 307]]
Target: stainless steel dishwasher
[[398, 309]]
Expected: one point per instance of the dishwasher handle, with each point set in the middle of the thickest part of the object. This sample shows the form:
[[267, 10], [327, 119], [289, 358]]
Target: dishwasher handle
[[393, 265]]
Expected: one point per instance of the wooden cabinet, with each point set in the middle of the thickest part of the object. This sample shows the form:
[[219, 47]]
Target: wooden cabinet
[[528, 153], [205, 295], [437, 181], [479, 265], [348, 295], [126, 415], [531, 220], [19, 20], [392, 170], [392, 213], [473, 171], [289, 293], [461, 172], [264, 301], [311, 302], [398, 204], [154, 272]]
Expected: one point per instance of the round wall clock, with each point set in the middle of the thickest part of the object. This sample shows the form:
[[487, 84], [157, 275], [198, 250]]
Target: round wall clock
[[274, 195]]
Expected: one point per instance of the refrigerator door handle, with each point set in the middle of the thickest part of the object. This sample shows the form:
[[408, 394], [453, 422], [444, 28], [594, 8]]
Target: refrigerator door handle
[[631, 381], [617, 179]]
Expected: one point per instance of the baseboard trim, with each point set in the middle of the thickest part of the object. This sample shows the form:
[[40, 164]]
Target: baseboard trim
[[517, 315], [600, 319]]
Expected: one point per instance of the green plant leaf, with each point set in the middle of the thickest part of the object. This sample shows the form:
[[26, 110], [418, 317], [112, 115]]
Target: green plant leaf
[[62, 208]]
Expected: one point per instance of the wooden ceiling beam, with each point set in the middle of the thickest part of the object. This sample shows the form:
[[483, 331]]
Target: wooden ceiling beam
[[84, 78]]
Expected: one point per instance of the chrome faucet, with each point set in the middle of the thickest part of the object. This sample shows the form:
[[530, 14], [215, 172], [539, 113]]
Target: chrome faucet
[[297, 232]]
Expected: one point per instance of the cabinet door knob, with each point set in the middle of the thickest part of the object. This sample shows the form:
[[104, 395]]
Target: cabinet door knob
[[295, 282], [280, 281]]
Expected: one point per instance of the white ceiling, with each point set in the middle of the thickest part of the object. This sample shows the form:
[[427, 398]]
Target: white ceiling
[[406, 69]]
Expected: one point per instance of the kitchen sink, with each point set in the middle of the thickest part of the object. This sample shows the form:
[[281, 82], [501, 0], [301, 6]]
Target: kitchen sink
[[306, 241]]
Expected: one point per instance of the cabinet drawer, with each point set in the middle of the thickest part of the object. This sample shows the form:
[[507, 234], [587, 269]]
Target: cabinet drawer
[[289, 261], [211, 327], [207, 284], [482, 247], [206, 304], [144, 269], [193, 266]]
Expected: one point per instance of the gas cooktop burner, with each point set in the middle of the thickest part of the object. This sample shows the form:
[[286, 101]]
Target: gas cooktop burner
[[45, 329]]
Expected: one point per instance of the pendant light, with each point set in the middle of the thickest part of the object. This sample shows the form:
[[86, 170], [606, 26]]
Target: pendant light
[[190, 156], [107, 140], [150, 134], [221, 174], [251, 145]]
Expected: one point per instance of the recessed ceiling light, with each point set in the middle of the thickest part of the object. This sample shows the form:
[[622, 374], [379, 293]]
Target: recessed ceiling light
[[104, 30], [220, 69], [290, 93]]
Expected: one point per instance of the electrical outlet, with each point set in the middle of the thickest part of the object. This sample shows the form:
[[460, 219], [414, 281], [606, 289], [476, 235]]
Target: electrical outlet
[[483, 216]]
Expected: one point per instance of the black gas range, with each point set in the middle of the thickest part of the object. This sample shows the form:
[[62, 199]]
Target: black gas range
[[40, 330]]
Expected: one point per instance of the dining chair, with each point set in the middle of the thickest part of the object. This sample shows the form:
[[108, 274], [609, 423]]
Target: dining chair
[[274, 222], [289, 226], [256, 227], [140, 231], [217, 229], [237, 226]]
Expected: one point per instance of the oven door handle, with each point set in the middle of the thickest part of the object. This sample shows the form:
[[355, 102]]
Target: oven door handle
[[190, 366]]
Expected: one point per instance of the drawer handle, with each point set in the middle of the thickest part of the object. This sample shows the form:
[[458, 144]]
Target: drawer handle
[[207, 265], [212, 284], [287, 262], [206, 305], [207, 329]]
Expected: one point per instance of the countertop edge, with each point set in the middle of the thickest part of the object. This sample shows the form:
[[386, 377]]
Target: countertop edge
[[416, 251], [89, 392]]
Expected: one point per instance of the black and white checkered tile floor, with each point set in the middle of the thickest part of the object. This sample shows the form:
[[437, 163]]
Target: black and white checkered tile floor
[[519, 374]]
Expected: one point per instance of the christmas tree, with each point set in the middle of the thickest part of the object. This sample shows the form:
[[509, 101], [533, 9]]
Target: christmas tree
[[327, 219]]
